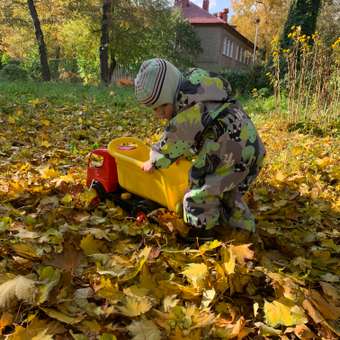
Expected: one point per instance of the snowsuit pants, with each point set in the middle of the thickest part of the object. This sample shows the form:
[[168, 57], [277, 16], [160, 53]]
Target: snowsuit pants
[[212, 204]]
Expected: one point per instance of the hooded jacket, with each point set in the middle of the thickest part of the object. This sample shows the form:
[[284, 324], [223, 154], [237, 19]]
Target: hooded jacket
[[211, 127]]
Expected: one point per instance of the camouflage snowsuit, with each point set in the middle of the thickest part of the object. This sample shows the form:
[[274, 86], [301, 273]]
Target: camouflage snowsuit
[[228, 152]]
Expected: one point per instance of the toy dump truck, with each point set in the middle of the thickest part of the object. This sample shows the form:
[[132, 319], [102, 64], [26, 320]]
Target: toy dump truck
[[120, 170]]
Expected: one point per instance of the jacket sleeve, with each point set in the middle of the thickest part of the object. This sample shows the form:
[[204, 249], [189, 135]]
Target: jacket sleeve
[[178, 138]]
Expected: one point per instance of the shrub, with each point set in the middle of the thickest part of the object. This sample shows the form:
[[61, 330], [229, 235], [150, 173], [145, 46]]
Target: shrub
[[69, 77], [311, 83], [244, 81], [12, 72]]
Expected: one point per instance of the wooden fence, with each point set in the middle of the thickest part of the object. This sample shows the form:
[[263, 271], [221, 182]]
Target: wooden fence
[[121, 73]]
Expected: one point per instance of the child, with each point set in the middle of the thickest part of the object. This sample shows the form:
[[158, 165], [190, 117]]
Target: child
[[206, 122]]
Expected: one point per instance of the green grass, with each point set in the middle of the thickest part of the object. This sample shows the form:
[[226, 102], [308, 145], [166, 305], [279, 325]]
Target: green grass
[[59, 94], [75, 97]]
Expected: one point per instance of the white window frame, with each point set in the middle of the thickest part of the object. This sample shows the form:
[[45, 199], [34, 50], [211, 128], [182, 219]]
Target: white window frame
[[231, 50], [227, 49], [224, 47]]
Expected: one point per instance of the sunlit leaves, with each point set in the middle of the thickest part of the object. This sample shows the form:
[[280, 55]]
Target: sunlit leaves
[[283, 312], [134, 306], [101, 275], [90, 245], [144, 330], [54, 314], [196, 274], [19, 288], [49, 278]]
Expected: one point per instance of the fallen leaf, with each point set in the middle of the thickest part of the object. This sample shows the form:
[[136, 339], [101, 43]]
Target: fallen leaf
[[242, 253], [196, 274], [229, 260], [144, 330], [312, 311], [266, 330], [330, 291], [107, 336], [19, 288], [328, 310], [135, 306], [330, 278], [70, 320], [207, 246], [69, 260], [303, 332], [90, 245], [49, 278], [37, 330], [283, 312], [207, 297], [170, 302], [5, 320]]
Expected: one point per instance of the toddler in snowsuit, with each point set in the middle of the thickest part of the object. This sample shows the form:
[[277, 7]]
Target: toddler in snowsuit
[[204, 122]]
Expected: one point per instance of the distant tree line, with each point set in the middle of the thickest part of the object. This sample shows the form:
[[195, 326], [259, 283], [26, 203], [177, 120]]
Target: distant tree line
[[92, 37]]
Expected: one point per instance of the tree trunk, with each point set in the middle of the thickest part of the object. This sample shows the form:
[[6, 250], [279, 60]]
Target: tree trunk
[[112, 67], [106, 69], [302, 13], [45, 70]]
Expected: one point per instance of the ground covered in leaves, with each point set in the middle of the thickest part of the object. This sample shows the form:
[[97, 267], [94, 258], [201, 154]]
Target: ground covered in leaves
[[68, 271]]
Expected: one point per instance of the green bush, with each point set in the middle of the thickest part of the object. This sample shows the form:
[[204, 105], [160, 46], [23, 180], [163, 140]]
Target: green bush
[[12, 72], [244, 81]]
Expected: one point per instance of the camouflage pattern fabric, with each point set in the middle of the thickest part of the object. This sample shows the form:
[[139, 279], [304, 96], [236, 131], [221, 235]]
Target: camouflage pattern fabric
[[212, 129]]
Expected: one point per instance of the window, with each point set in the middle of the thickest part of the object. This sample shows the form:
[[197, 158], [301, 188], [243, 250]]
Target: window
[[231, 49], [248, 57], [237, 52], [228, 47], [225, 46], [241, 55]]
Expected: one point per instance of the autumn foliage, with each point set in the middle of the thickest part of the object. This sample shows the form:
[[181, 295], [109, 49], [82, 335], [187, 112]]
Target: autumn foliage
[[70, 271]]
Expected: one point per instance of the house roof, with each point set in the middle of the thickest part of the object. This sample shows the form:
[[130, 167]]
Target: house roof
[[199, 16]]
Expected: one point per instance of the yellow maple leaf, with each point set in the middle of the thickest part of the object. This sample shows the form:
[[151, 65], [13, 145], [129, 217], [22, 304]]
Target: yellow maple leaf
[[135, 306], [229, 260], [207, 246], [283, 312], [196, 274], [46, 172], [242, 253], [88, 196], [90, 245]]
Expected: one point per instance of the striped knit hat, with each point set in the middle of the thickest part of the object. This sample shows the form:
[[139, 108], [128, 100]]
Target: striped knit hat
[[157, 82]]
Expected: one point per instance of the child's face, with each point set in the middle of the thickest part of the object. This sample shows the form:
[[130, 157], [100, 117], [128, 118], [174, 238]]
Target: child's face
[[164, 111]]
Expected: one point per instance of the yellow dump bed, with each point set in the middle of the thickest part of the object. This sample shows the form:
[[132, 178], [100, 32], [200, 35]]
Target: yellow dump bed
[[165, 186]]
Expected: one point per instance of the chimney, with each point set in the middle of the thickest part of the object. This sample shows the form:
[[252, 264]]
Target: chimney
[[205, 5], [224, 15]]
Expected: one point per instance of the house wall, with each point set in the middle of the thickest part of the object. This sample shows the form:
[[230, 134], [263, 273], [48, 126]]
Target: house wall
[[214, 56], [211, 37], [234, 52]]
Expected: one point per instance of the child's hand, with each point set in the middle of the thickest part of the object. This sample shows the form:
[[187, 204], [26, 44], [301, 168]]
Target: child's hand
[[147, 166]]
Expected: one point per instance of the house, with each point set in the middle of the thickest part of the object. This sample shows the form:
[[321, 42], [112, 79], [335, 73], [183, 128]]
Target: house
[[223, 46]]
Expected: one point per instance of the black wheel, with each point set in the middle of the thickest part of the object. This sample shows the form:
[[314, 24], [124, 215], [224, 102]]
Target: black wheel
[[146, 206], [99, 189]]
